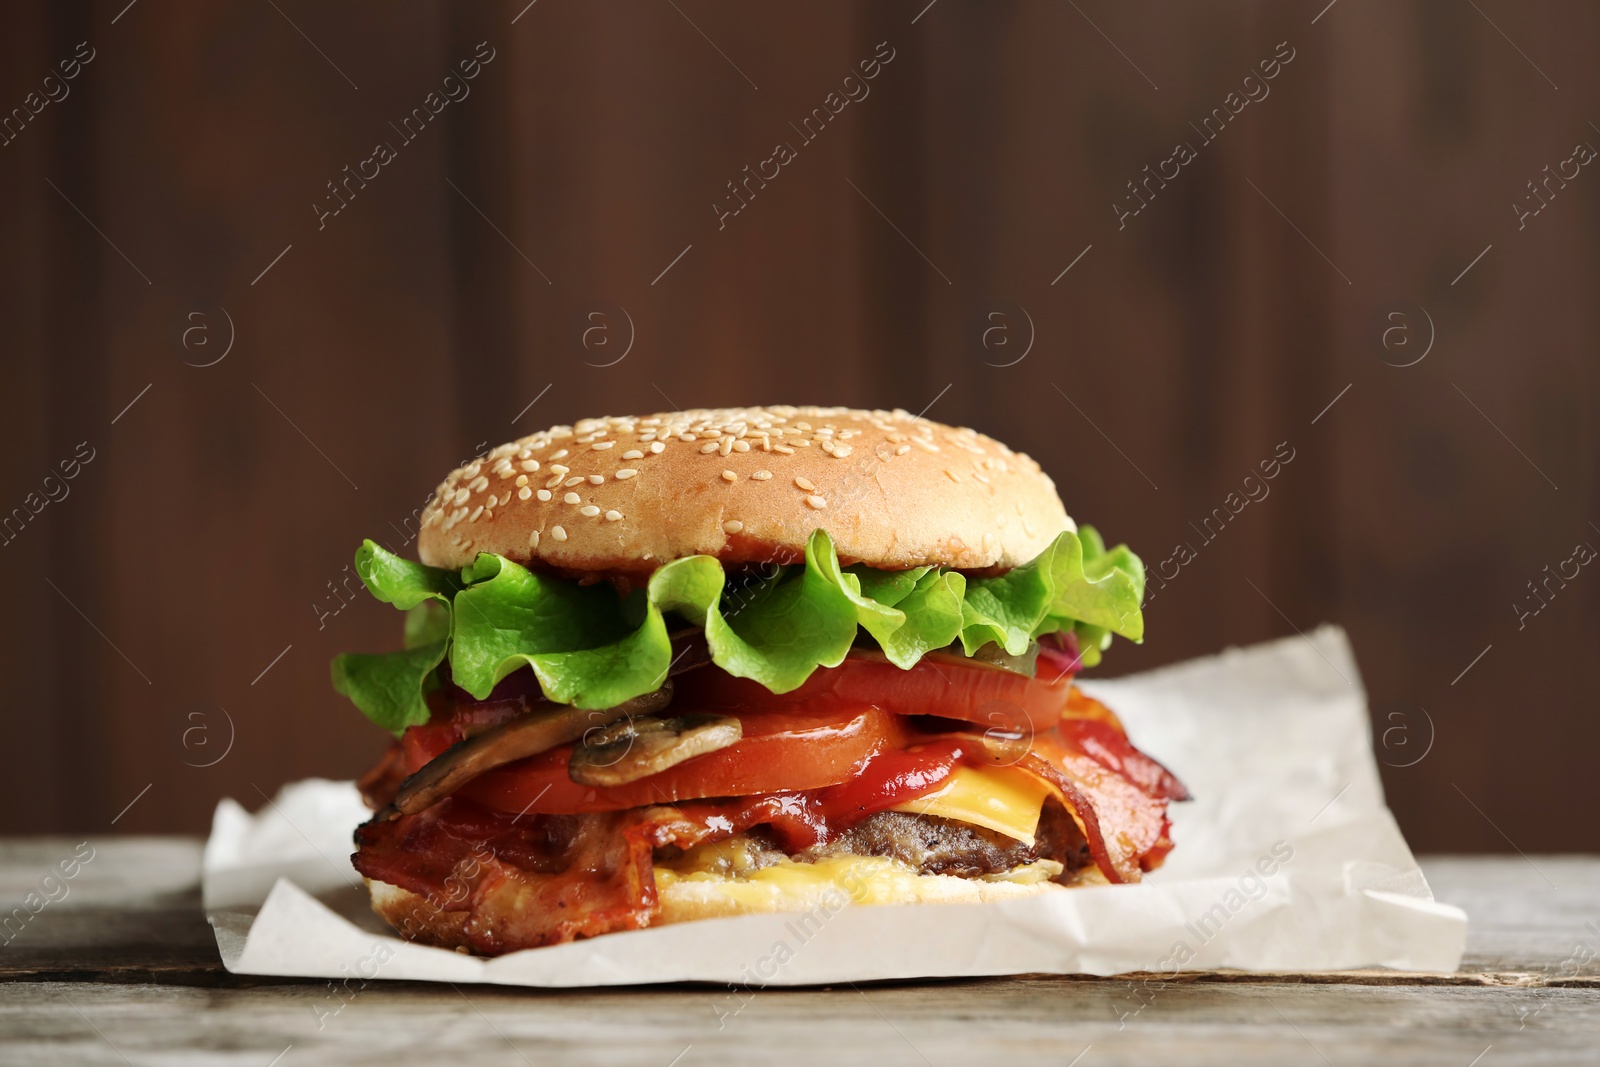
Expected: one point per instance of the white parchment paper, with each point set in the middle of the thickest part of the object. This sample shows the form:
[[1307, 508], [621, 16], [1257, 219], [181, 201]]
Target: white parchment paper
[[1273, 741]]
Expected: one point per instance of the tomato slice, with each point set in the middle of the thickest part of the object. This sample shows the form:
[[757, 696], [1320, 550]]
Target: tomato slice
[[782, 750], [801, 819], [997, 699], [893, 777], [817, 736]]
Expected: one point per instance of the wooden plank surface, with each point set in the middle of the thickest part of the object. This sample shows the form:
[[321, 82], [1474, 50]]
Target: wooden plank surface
[[122, 968]]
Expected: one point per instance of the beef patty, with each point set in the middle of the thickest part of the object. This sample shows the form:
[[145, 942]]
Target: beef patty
[[929, 845]]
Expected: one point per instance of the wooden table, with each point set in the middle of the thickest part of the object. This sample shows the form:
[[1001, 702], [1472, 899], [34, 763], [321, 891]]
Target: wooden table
[[123, 969]]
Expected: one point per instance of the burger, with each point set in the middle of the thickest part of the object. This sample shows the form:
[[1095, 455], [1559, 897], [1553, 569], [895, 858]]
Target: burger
[[719, 662]]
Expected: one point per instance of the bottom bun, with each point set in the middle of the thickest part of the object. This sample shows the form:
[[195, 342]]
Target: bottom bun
[[827, 885], [415, 919]]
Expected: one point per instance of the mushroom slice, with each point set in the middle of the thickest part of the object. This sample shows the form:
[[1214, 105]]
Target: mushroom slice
[[631, 749], [539, 731]]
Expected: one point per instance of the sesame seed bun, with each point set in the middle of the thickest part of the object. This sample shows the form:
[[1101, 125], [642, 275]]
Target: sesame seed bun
[[624, 495]]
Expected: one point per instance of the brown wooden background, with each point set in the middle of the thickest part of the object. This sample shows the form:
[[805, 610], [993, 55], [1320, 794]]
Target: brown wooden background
[[221, 508]]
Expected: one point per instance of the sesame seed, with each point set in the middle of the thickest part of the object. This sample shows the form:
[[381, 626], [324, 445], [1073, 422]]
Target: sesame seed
[[688, 438], [589, 511], [572, 498], [596, 479], [656, 447], [785, 449], [522, 480], [633, 453], [727, 445], [761, 476], [558, 533], [732, 526], [805, 483], [576, 479], [816, 502], [533, 539], [475, 513], [709, 446], [954, 477], [544, 494], [841, 451], [530, 465], [478, 484], [625, 473], [492, 501], [524, 493], [559, 469], [487, 514], [729, 476], [460, 497], [903, 449], [601, 446], [559, 453], [613, 516], [741, 446], [555, 480]]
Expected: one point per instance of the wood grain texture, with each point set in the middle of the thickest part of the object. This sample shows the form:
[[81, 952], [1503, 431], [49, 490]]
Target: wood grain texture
[[1032, 1021], [124, 965]]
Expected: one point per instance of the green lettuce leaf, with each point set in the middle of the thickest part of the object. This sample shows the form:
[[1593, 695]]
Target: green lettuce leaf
[[400, 582], [1074, 580], [777, 630], [906, 612], [388, 688], [427, 623], [587, 646], [592, 648]]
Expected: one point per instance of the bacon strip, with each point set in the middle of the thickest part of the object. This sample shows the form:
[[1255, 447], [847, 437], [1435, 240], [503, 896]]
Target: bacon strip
[[1096, 730], [523, 883]]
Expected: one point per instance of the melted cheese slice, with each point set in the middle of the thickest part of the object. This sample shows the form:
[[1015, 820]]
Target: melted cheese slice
[[1001, 799], [689, 892]]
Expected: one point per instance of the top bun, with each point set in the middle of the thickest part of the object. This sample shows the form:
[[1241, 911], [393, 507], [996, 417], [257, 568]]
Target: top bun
[[624, 495]]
